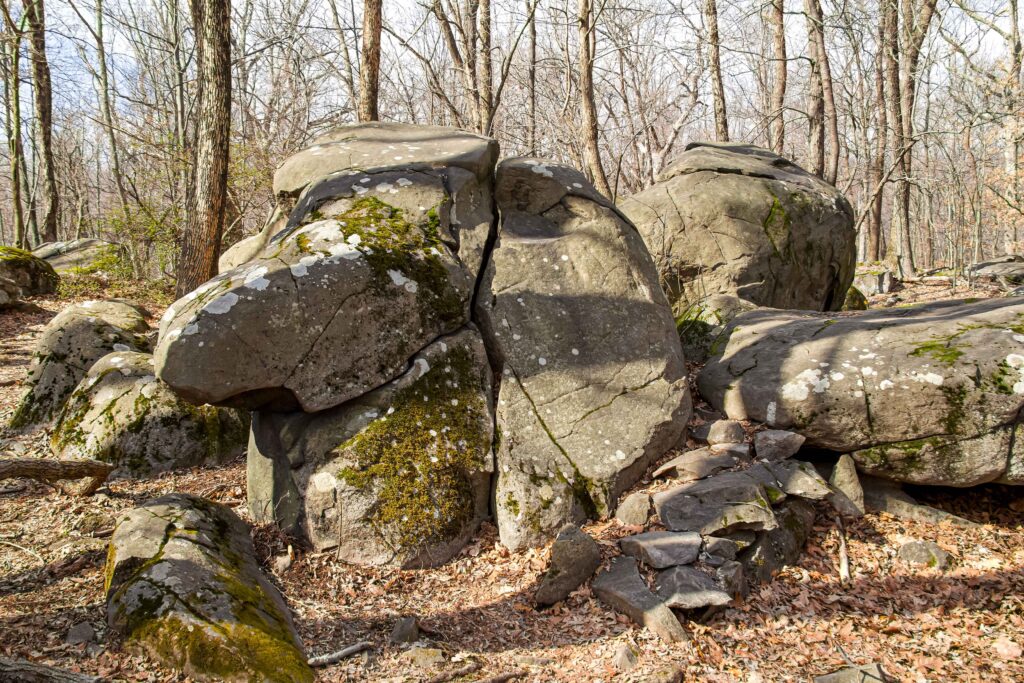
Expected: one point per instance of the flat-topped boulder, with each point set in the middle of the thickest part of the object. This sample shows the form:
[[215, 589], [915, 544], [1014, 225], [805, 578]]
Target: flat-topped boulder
[[76, 338], [731, 218], [122, 414], [32, 274], [183, 585], [85, 254], [400, 476], [593, 385], [928, 394]]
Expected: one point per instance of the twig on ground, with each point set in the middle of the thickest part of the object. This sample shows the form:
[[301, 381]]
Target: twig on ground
[[503, 678], [25, 550], [335, 657], [454, 673], [844, 558], [23, 671]]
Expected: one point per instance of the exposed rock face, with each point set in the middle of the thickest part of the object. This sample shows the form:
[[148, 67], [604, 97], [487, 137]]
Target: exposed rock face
[[249, 248], [122, 414], [398, 476], [371, 267], [183, 584], [736, 219], [874, 280], [75, 339], [10, 292], [584, 405], [34, 275], [75, 255], [930, 394]]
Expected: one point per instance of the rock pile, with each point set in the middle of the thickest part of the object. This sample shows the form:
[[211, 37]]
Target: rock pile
[[363, 323]]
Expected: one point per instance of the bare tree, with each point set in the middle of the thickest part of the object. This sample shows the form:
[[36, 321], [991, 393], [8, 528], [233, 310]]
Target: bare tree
[[199, 244], [369, 63], [588, 109], [36, 18], [715, 59], [780, 67]]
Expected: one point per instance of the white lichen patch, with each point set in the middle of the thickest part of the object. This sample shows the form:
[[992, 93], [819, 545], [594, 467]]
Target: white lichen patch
[[399, 278], [254, 278], [799, 388], [1016, 361], [221, 304]]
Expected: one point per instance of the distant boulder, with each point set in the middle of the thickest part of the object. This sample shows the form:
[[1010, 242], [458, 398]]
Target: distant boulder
[[32, 274]]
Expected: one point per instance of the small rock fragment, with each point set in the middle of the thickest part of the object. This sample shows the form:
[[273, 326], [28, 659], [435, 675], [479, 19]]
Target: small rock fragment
[[728, 502], [622, 588], [732, 578], [624, 658], [425, 657], [406, 630], [924, 554], [696, 464], [780, 546], [80, 633], [845, 482], [689, 588], [574, 557], [635, 509], [718, 550], [736, 450], [725, 431], [660, 549], [777, 444], [869, 673]]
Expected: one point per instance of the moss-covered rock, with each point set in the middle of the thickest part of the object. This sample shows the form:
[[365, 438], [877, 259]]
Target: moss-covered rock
[[34, 275], [69, 345], [928, 394], [10, 292], [85, 256], [370, 267], [183, 586], [731, 218], [855, 300], [398, 476], [122, 414]]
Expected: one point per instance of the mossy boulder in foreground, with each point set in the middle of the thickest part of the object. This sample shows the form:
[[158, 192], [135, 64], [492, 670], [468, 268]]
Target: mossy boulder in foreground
[[76, 338], [928, 394], [122, 414], [183, 585], [34, 275], [399, 476], [731, 218]]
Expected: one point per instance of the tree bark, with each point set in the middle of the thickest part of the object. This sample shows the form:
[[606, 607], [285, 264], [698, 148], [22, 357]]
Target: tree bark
[[36, 17], [369, 62], [531, 77], [717, 86], [199, 246], [485, 77], [815, 99], [588, 110], [878, 161], [899, 248], [777, 122], [830, 119]]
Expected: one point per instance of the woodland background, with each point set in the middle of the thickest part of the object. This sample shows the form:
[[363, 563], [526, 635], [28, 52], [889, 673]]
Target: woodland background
[[913, 108]]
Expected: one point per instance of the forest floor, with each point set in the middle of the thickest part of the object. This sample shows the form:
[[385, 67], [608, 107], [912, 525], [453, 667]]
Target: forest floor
[[966, 624]]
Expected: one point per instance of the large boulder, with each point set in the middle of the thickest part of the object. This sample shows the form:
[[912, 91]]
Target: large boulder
[[122, 414], [371, 266], [593, 383], [183, 585], [10, 292], [76, 338], [34, 275], [929, 394], [400, 475], [87, 254], [729, 218]]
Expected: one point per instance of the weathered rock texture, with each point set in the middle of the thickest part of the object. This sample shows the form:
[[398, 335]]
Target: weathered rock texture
[[34, 275], [183, 585], [736, 219], [122, 414], [929, 394], [69, 345], [86, 254], [399, 476], [593, 384], [377, 260], [10, 292]]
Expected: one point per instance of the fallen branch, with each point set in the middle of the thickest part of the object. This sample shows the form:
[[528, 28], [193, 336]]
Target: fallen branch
[[844, 558], [505, 677], [23, 671], [29, 551], [454, 673], [41, 469], [335, 657]]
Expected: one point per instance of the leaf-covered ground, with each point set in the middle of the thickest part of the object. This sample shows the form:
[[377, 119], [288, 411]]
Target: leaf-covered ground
[[966, 624]]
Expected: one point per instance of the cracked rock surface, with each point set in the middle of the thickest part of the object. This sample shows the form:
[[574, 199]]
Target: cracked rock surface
[[592, 379], [730, 218], [183, 584], [929, 394]]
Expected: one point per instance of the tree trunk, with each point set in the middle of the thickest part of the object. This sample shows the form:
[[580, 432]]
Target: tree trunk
[[816, 31], [485, 77], [878, 162], [588, 110], [35, 15], [815, 99], [12, 89], [369, 62], [717, 86], [532, 81], [199, 245], [899, 248], [777, 121]]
